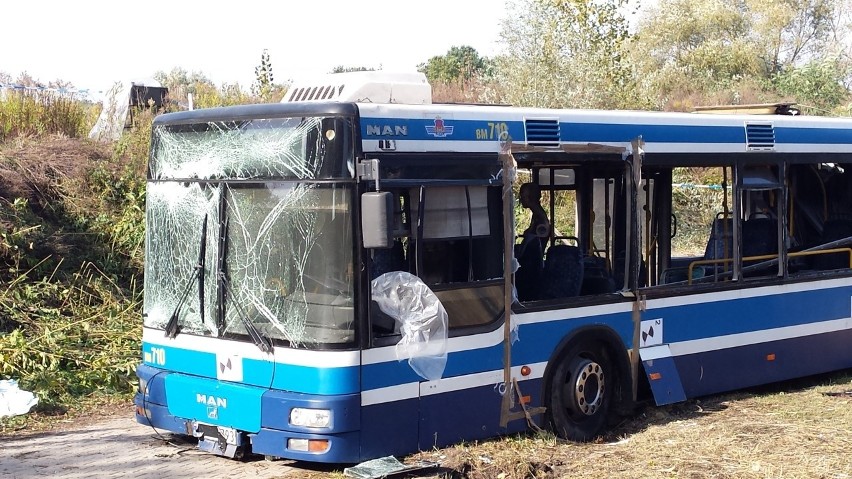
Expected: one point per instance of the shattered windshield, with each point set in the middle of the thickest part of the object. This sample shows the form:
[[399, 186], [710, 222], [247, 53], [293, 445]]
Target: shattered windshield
[[289, 261], [277, 245], [295, 148]]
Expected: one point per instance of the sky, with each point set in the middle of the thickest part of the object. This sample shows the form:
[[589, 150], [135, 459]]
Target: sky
[[93, 43]]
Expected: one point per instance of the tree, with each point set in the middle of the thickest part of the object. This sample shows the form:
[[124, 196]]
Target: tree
[[264, 84], [816, 85], [459, 65], [684, 47], [566, 53], [181, 83], [792, 32], [741, 50]]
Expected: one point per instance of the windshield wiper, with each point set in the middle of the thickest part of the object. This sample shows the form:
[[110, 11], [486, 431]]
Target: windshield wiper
[[261, 341], [173, 327]]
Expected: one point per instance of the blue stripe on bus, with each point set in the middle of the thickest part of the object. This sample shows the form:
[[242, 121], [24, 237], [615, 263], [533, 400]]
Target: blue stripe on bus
[[832, 136], [619, 133], [197, 363], [312, 380], [482, 130], [256, 372], [720, 318], [537, 343]]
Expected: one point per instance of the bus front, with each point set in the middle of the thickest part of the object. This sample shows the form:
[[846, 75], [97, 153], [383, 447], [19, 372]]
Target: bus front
[[250, 339]]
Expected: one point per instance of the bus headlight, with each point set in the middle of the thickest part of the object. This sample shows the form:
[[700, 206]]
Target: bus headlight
[[143, 386], [310, 417]]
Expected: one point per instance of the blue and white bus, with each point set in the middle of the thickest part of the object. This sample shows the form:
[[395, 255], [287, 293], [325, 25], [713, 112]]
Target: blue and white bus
[[339, 277]]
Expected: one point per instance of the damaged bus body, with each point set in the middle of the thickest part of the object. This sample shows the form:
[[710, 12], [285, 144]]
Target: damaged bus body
[[324, 277]]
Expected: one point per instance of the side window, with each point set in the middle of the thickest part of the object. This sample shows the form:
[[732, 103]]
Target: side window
[[819, 218], [571, 237], [452, 238], [760, 191], [687, 225]]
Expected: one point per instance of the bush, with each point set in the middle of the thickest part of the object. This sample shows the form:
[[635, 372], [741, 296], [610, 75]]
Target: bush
[[37, 112]]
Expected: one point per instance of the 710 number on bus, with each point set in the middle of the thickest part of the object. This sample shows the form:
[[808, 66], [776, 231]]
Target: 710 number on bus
[[494, 131]]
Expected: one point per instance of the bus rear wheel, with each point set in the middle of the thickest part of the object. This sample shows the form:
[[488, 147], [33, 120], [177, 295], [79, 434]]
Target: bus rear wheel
[[581, 393]]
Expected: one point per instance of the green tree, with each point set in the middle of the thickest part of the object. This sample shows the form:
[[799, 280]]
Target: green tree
[[793, 32], [689, 47], [817, 85], [566, 53], [264, 84], [181, 83], [459, 65], [710, 51]]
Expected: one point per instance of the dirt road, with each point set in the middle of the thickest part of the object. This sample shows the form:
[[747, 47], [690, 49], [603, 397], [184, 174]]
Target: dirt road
[[120, 447]]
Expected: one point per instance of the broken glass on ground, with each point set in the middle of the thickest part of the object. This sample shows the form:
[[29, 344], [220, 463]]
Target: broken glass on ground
[[386, 467]]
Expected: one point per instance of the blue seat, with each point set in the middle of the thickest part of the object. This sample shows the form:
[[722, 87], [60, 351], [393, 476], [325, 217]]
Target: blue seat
[[563, 272]]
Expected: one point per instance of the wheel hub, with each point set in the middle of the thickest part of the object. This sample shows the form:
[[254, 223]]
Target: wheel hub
[[589, 387]]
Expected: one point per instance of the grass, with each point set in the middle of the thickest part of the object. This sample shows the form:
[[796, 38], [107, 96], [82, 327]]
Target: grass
[[787, 430], [791, 430], [35, 112]]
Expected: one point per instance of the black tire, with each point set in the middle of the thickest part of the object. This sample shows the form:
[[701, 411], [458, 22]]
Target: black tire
[[581, 391]]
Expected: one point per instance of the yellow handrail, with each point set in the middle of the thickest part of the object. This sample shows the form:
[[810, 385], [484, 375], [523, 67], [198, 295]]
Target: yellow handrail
[[767, 256]]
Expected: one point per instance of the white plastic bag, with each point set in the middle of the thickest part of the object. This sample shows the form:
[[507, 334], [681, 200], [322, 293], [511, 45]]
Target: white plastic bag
[[422, 321], [13, 400]]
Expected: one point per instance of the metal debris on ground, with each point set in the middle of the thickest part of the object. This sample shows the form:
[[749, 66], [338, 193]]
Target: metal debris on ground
[[841, 394], [386, 467]]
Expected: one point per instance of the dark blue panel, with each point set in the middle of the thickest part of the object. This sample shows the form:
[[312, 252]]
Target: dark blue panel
[[158, 416], [667, 389], [389, 429], [737, 368], [155, 389], [391, 373], [470, 414]]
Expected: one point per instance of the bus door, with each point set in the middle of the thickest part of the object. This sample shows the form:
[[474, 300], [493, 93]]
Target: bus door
[[446, 243]]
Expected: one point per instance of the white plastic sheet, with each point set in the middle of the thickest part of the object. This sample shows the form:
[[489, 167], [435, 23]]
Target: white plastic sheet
[[13, 400], [421, 318]]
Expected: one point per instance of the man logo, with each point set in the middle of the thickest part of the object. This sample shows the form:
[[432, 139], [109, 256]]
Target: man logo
[[387, 130], [213, 404]]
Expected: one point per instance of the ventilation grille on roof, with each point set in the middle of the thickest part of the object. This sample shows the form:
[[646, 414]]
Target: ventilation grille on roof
[[760, 136], [327, 92], [542, 132]]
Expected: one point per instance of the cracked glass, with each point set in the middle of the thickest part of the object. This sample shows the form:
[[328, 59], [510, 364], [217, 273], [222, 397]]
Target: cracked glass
[[278, 248]]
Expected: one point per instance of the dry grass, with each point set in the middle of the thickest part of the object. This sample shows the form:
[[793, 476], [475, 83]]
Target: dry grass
[[785, 431], [767, 433]]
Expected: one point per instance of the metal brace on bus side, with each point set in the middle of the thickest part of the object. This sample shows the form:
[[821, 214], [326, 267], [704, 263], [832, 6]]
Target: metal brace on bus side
[[368, 169]]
